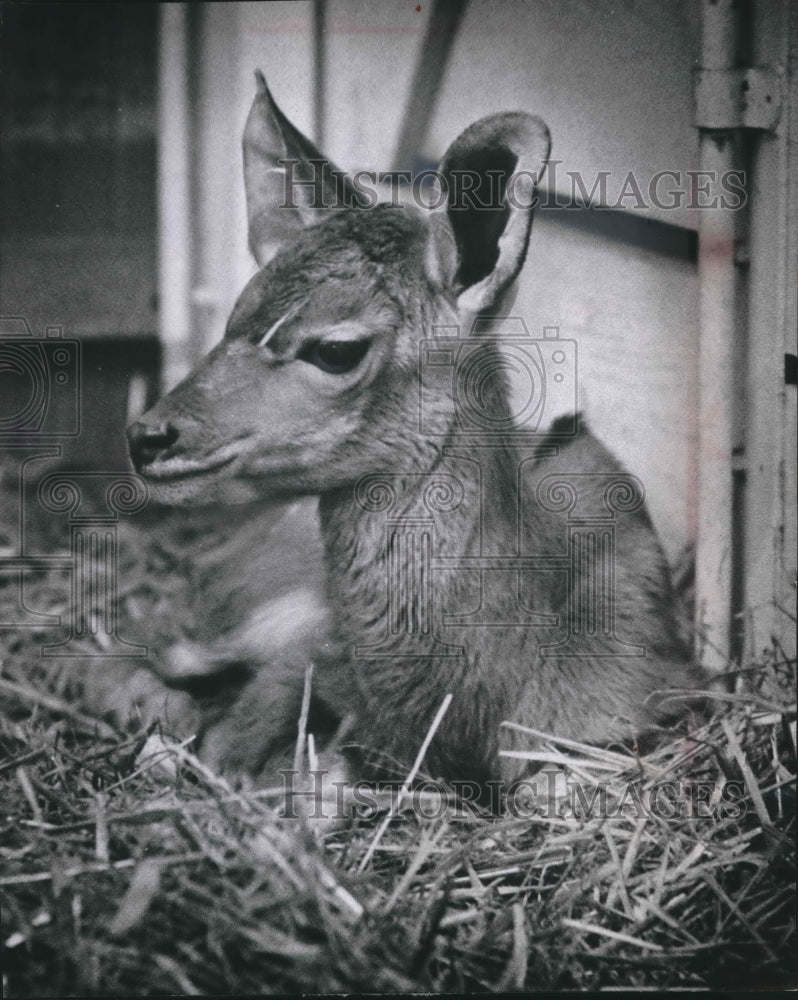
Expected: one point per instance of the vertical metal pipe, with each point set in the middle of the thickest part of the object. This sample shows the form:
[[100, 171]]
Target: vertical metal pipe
[[436, 49], [216, 172], [717, 324], [174, 194], [319, 72], [770, 540]]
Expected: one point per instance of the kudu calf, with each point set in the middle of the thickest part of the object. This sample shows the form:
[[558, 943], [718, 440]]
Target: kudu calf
[[464, 552]]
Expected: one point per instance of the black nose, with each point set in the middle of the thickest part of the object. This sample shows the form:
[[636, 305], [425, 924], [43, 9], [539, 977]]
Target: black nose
[[147, 441]]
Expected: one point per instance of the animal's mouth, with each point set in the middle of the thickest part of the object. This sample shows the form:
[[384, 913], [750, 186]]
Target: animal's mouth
[[175, 470]]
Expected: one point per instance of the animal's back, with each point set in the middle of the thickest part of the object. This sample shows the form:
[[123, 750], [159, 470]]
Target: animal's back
[[618, 644]]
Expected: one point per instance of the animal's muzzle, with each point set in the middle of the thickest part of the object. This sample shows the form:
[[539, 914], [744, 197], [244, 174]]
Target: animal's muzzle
[[147, 442]]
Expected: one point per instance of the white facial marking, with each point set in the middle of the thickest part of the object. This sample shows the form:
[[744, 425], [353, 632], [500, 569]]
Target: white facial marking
[[276, 326]]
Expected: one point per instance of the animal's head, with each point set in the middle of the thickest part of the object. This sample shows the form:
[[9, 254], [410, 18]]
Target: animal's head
[[316, 381]]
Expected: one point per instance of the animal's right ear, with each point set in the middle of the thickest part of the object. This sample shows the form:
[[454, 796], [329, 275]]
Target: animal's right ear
[[289, 184], [486, 195]]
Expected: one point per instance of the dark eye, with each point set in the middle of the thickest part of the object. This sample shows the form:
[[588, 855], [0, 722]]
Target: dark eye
[[335, 356]]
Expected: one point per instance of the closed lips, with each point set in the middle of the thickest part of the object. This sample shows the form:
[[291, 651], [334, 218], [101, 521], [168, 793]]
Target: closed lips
[[176, 469]]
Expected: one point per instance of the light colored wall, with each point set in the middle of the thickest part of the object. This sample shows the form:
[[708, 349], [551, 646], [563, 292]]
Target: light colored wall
[[372, 49], [633, 316]]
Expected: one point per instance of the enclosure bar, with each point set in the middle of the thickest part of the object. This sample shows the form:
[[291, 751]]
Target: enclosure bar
[[174, 195], [433, 57], [770, 534], [319, 72], [717, 324], [215, 183]]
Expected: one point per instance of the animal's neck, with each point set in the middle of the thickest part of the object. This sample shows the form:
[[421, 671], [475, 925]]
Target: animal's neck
[[404, 552], [450, 504]]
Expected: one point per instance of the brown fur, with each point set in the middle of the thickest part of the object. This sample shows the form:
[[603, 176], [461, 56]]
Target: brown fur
[[265, 419]]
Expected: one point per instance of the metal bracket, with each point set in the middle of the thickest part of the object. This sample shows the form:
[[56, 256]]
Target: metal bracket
[[738, 98]]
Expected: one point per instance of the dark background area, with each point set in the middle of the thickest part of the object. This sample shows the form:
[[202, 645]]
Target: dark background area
[[78, 200]]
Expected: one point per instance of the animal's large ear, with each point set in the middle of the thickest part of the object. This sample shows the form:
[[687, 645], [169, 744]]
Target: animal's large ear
[[480, 231], [289, 184]]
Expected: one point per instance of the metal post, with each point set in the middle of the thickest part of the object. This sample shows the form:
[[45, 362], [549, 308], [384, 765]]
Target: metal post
[[770, 541], [174, 195], [717, 324], [218, 239]]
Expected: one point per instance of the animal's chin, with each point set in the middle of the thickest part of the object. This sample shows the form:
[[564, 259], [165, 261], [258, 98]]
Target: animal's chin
[[177, 483], [201, 493], [228, 483]]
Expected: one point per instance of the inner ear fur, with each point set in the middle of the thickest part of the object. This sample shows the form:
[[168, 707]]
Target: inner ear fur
[[481, 232]]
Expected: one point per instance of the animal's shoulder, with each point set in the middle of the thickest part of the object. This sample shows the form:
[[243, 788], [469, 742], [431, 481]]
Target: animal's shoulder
[[570, 456], [569, 446]]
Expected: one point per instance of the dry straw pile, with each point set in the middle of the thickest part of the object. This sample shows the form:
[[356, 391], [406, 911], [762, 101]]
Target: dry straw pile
[[129, 868]]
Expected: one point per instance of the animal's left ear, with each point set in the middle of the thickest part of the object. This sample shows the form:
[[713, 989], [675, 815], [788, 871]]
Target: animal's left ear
[[480, 232], [289, 184]]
